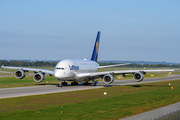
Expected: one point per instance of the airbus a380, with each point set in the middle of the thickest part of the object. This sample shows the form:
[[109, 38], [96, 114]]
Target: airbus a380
[[80, 70]]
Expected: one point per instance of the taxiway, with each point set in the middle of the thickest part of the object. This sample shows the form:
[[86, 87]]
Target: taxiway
[[36, 90]]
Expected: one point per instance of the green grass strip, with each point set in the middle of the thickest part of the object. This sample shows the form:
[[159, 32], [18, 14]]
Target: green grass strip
[[120, 102]]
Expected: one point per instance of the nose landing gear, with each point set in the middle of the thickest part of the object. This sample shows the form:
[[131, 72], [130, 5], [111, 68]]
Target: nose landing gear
[[61, 84]]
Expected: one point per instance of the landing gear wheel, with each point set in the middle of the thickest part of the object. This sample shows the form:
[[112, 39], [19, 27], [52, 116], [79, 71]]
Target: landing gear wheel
[[64, 83], [74, 83], [86, 83], [59, 85], [93, 84]]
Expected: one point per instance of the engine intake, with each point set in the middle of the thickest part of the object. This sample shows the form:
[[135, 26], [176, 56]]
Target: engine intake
[[108, 79], [20, 74], [39, 77], [138, 77]]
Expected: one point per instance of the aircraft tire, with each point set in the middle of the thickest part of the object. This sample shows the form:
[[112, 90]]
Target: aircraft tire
[[64, 83], [59, 85], [93, 84]]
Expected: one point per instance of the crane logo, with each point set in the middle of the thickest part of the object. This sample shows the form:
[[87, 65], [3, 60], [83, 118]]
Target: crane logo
[[97, 44]]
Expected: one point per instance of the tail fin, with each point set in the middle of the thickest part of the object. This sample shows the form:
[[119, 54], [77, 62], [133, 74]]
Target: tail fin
[[96, 48]]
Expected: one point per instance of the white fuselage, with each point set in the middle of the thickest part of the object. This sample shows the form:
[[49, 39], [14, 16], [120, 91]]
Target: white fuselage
[[68, 69]]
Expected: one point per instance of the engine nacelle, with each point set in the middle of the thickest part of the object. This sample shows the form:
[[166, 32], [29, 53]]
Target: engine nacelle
[[108, 79], [138, 77], [19, 74], [39, 77]]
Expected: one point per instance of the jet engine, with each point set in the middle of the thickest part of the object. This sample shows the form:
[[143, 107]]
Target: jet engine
[[138, 77], [39, 77], [108, 79], [20, 74]]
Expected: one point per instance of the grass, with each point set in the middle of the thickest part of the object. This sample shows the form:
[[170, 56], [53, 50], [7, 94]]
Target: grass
[[120, 102], [11, 81]]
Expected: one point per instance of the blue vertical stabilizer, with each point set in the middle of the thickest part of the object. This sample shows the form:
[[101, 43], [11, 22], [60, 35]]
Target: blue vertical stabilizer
[[96, 48]]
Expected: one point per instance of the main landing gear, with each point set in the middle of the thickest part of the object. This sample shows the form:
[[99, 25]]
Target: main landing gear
[[74, 83], [92, 84], [64, 83], [86, 83], [61, 84]]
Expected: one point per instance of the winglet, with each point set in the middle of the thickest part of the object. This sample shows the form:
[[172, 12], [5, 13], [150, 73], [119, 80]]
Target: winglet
[[96, 48]]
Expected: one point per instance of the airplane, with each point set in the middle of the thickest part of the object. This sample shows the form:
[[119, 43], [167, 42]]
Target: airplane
[[81, 70]]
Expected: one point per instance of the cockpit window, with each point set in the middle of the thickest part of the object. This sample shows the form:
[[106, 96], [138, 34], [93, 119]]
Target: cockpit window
[[60, 68]]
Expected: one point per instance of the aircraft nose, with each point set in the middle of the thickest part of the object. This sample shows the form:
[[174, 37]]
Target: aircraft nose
[[57, 74]]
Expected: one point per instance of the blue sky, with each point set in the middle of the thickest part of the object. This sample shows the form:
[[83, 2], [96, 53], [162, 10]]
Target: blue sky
[[59, 29]]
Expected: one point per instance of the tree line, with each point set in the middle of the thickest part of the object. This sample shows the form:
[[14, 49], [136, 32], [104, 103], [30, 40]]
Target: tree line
[[28, 63], [143, 65], [53, 64]]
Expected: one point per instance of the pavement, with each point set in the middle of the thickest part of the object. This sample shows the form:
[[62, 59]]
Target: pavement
[[6, 72], [151, 115], [37, 90]]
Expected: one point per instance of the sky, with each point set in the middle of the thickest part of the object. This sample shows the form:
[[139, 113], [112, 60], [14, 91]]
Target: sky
[[134, 30]]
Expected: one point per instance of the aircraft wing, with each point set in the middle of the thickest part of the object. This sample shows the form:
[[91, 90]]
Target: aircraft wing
[[113, 65], [96, 74], [30, 69]]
